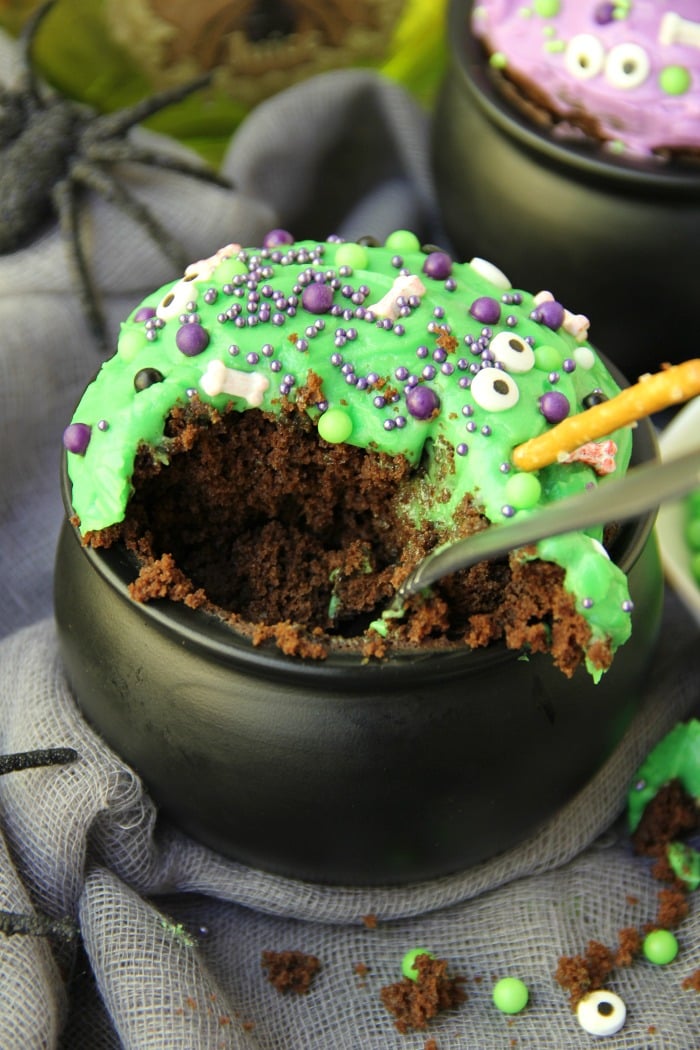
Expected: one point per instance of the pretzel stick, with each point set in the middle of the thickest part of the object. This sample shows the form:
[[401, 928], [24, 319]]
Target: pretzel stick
[[650, 394]]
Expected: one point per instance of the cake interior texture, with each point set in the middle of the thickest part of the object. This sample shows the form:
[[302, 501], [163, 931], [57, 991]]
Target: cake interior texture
[[293, 539]]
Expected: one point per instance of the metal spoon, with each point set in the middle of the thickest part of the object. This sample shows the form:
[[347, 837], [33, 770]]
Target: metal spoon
[[641, 489]]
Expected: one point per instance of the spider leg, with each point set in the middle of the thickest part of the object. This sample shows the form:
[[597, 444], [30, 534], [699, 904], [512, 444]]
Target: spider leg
[[128, 152], [111, 125], [48, 756], [99, 180], [29, 81], [66, 205]]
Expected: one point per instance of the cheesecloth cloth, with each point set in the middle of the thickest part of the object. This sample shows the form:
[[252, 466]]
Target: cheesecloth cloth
[[168, 935]]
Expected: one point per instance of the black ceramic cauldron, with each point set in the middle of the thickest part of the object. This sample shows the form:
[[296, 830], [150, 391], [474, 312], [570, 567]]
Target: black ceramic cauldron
[[342, 771], [619, 239]]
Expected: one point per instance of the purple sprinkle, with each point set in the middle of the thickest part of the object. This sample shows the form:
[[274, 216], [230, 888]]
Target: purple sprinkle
[[144, 313], [550, 313], [76, 438], [588, 603], [486, 310], [422, 402], [554, 406], [103, 425], [628, 606], [438, 265], [569, 365], [191, 339], [508, 511], [277, 237], [462, 449], [604, 13]]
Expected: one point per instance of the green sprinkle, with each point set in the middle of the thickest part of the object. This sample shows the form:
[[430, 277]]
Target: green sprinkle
[[547, 8], [523, 490], [353, 255], [555, 46], [510, 995], [402, 241], [548, 358], [660, 947], [408, 963], [674, 80], [335, 426], [230, 268], [131, 341], [498, 60], [685, 862]]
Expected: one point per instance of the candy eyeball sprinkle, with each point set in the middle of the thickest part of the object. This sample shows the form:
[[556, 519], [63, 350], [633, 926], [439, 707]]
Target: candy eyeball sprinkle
[[491, 272], [585, 56], [512, 352], [627, 66], [601, 1013], [494, 390]]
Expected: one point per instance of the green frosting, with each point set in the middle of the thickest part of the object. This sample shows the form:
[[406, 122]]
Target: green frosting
[[676, 757], [403, 362]]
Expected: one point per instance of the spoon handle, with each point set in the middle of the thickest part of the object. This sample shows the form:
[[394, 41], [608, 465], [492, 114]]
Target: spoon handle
[[641, 489]]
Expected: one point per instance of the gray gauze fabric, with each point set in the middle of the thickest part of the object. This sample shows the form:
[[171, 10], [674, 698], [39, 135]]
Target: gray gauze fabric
[[169, 935]]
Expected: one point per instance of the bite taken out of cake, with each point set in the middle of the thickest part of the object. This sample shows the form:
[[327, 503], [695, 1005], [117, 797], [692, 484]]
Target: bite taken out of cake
[[286, 430]]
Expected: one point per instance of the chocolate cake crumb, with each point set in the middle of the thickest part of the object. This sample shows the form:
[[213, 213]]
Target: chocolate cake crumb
[[414, 1003], [669, 815], [580, 974], [290, 971], [673, 908], [692, 983], [629, 946]]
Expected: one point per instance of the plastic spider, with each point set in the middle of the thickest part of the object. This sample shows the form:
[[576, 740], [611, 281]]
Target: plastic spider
[[51, 148]]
